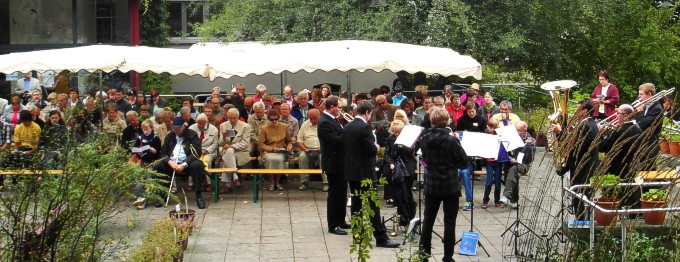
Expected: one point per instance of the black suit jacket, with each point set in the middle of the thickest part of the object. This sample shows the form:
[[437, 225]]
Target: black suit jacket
[[621, 147], [190, 140], [359, 144], [330, 139], [646, 120], [583, 160]]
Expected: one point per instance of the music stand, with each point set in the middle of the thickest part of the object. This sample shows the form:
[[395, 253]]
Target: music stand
[[415, 225], [514, 227], [472, 219]]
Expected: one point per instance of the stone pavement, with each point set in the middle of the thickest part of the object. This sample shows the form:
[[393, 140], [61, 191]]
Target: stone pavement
[[290, 225]]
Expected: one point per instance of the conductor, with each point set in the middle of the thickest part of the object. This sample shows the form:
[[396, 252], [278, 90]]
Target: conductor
[[358, 138]]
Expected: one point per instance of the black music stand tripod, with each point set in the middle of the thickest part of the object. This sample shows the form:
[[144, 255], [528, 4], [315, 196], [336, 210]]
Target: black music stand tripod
[[514, 229], [416, 230], [472, 217]]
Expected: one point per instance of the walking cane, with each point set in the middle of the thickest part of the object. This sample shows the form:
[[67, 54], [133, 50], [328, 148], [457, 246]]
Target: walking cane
[[172, 180]]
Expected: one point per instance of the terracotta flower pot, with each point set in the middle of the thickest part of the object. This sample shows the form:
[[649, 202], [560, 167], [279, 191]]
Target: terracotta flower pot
[[653, 218], [604, 219], [665, 147], [674, 148], [184, 216]]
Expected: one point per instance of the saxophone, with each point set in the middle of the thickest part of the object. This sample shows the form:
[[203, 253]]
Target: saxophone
[[559, 91]]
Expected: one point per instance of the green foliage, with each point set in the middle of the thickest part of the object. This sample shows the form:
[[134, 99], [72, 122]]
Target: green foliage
[[161, 242], [160, 82], [362, 229], [656, 194], [639, 248], [155, 31], [607, 185], [65, 217], [532, 41]]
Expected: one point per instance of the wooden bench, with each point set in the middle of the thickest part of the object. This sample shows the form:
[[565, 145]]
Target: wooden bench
[[656, 176], [258, 172], [216, 179]]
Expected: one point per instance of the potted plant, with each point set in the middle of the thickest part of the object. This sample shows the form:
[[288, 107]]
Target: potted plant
[[165, 240], [664, 138], [674, 145], [184, 216], [654, 198], [608, 189]]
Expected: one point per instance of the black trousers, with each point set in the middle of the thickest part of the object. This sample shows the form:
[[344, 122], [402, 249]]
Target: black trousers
[[194, 169], [380, 232], [403, 199], [335, 204], [432, 203]]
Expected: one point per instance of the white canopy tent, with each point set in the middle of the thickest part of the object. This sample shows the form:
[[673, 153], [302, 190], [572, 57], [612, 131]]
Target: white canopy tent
[[213, 61]]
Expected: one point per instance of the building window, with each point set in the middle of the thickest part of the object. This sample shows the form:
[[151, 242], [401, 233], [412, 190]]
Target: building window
[[183, 14]]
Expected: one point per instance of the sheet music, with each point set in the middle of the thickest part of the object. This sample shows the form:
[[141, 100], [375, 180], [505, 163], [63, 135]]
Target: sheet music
[[510, 138], [231, 133], [140, 149], [409, 135], [480, 144]]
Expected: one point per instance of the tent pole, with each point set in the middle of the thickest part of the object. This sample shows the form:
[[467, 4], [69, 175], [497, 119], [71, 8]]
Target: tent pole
[[349, 89]]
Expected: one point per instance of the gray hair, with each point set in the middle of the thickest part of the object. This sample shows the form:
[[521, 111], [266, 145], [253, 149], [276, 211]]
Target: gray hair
[[258, 105], [31, 107], [626, 109], [182, 110], [36, 91], [217, 88], [506, 103], [232, 111], [159, 113], [131, 113], [260, 88], [201, 116], [523, 125]]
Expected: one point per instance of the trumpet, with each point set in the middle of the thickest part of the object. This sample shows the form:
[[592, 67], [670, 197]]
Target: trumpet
[[347, 117], [612, 121]]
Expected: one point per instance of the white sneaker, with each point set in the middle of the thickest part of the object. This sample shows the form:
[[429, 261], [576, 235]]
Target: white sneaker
[[504, 200], [140, 203], [349, 201], [514, 205]]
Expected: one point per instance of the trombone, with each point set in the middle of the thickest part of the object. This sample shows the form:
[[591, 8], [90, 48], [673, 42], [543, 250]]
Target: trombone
[[612, 121]]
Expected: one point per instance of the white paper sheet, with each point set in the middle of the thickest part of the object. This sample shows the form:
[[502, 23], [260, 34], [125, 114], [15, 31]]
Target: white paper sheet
[[409, 135], [140, 149], [480, 144], [520, 157], [510, 138]]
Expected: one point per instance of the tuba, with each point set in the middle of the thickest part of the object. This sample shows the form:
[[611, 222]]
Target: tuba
[[559, 91]]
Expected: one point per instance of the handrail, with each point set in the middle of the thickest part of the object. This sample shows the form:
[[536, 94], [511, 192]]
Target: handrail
[[571, 191]]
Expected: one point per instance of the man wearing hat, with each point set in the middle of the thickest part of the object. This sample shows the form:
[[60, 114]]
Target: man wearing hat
[[479, 100], [181, 153], [277, 104]]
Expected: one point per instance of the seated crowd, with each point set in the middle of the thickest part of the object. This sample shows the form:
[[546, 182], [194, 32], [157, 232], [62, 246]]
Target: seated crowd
[[262, 130]]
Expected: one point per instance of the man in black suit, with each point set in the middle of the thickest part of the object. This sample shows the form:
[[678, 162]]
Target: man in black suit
[[621, 147], [332, 164], [582, 158], [646, 117], [181, 153], [358, 138]]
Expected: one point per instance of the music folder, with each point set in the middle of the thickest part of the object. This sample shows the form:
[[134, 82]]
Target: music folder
[[409, 135]]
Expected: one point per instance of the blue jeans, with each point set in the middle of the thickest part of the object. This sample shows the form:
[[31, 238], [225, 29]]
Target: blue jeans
[[465, 176], [493, 178]]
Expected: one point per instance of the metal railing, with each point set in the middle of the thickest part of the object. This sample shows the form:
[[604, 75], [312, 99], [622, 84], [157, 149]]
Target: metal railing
[[572, 191]]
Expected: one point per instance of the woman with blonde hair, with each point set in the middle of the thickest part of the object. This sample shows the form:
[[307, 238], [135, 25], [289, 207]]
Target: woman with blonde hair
[[401, 173]]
